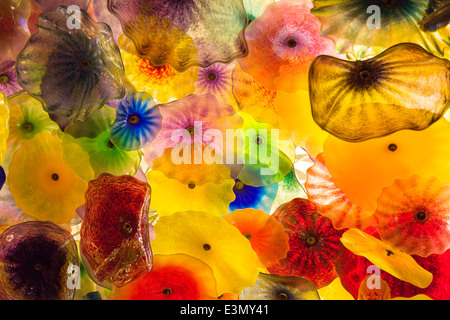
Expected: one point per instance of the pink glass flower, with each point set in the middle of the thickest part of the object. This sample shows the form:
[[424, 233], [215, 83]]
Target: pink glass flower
[[282, 43]]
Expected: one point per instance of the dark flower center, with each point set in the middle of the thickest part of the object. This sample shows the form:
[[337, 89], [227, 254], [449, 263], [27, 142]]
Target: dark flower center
[[206, 247], [310, 240], [167, 291], [110, 144], [239, 185], [85, 64], [392, 147], [212, 76], [248, 236], [27, 126], [191, 185], [291, 43], [127, 227], [4, 78], [55, 177], [366, 74], [133, 119], [421, 215], [191, 130]]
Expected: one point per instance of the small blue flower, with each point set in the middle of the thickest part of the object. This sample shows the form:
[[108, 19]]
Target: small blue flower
[[137, 122], [253, 197]]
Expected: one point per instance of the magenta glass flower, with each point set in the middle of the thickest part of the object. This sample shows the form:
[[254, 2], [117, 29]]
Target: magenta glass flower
[[73, 72], [184, 33]]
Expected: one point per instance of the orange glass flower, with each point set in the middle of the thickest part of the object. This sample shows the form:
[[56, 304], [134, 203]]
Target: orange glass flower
[[362, 170], [173, 277], [265, 233], [414, 215]]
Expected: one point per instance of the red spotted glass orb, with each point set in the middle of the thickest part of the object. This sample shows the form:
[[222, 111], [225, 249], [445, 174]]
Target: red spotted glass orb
[[313, 242], [115, 243]]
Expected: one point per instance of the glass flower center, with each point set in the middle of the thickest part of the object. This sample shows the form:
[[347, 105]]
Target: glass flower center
[[190, 129], [167, 291], [55, 177], [212, 76], [364, 75], [110, 144], [421, 215], [206, 247], [392, 147], [311, 240], [191, 185], [282, 296], [85, 64], [127, 227], [239, 185], [4, 78], [27, 126], [248, 236], [133, 119], [291, 43], [259, 141]]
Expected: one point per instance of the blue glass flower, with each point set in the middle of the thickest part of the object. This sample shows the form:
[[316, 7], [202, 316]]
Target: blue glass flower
[[137, 122], [253, 197]]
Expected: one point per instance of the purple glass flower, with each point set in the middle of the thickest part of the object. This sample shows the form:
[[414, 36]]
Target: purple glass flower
[[8, 78], [72, 65], [52, 5]]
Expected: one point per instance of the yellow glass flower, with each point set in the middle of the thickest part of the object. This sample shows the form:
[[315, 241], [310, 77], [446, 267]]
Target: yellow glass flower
[[212, 240], [211, 197], [163, 83], [387, 258], [42, 184], [361, 170], [4, 127]]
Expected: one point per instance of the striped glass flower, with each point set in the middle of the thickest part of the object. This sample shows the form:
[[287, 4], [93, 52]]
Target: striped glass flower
[[137, 121]]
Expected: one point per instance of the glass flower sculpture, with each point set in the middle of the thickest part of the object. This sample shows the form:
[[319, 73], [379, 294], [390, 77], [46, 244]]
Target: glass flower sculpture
[[36, 262], [362, 170], [253, 98], [354, 267], [265, 233], [137, 121], [332, 201], [73, 72], [184, 34], [217, 79], [117, 210], [8, 78], [313, 243], [162, 82], [386, 90], [248, 196], [282, 46], [196, 118], [255, 8], [93, 137], [198, 186], [275, 287], [41, 182], [413, 215], [364, 28], [214, 241], [173, 277]]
